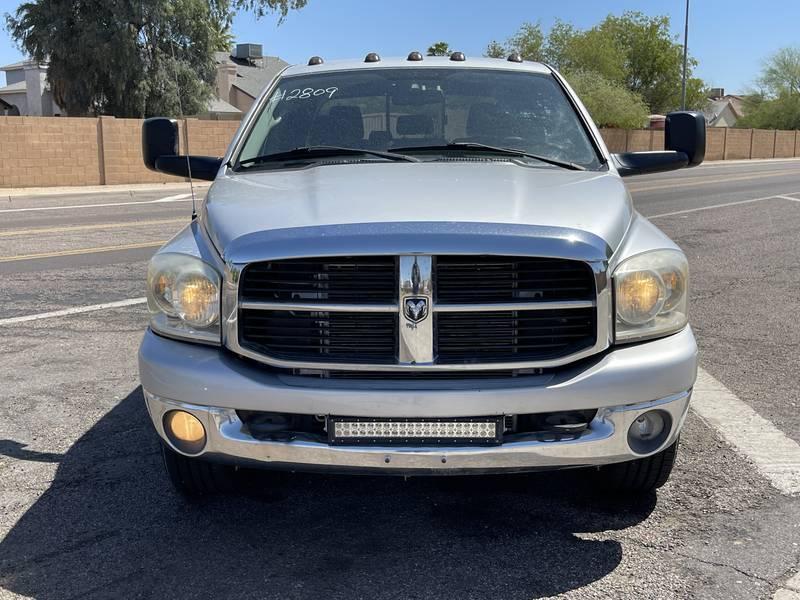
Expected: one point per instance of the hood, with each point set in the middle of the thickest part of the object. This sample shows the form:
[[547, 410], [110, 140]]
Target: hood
[[453, 192]]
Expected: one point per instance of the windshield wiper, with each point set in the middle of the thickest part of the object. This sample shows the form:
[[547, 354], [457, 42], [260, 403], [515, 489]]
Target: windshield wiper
[[322, 152], [494, 149]]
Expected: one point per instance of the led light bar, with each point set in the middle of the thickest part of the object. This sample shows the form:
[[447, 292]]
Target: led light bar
[[344, 430]]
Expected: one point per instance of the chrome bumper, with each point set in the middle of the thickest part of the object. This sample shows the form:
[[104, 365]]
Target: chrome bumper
[[622, 384], [605, 441]]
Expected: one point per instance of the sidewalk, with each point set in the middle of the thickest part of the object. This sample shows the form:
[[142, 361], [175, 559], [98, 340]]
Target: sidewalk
[[178, 187]]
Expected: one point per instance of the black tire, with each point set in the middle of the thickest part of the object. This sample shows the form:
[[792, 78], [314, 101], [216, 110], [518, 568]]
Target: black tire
[[194, 477], [640, 476]]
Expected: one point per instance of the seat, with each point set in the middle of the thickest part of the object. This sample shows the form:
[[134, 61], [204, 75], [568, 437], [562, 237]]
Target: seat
[[379, 140], [413, 125], [486, 120], [342, 126]]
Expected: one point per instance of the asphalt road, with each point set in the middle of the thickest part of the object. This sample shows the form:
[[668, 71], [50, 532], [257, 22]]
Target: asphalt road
[[85, 510]]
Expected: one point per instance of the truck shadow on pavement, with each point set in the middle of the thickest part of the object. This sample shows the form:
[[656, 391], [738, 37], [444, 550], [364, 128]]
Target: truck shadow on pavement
[[111, 526]]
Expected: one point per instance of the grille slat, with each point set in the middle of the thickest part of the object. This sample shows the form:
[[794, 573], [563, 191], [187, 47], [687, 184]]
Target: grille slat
[[321, 336], [350, 280], [505, 336], [466, 280], [499, 335]]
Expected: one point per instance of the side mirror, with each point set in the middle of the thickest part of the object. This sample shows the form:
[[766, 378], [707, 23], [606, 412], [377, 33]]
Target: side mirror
[[160, 149], [684, 143], [686, 132]]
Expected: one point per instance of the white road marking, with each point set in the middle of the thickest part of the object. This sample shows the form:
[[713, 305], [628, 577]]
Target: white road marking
[[724, 205], [790, 589], [788, 198], [775, 455], [175, 198], [73, 311]]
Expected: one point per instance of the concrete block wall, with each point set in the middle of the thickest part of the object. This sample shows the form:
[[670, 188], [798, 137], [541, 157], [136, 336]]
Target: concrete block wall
[[47, 151], [210, 138], [62, 151]]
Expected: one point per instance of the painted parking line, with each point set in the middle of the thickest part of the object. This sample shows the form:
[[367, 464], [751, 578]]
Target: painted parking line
[[78, 251], [98, 226], [776, 456], [723, 205], [175, 198], [695, 181], [72, 311], [790, 589]]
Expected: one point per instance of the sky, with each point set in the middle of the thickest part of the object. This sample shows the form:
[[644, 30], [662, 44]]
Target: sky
[[730, 39]]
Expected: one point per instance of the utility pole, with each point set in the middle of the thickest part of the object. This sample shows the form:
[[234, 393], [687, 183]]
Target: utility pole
[[685, 56]]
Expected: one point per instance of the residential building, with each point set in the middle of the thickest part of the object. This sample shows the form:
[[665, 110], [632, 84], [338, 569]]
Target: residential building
[[26, 91], [723, 110], [241, 76]]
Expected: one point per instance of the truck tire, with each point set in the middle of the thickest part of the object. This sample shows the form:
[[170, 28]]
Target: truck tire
[[194, 477], [640, 476]]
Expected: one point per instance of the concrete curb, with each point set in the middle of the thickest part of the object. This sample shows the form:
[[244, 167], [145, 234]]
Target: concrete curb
[[102, 189]]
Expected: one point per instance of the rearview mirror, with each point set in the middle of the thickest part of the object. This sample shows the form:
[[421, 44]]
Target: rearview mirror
[[160, 150], [684, 143]]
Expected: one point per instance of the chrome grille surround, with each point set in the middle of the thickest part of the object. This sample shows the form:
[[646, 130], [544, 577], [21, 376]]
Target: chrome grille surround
[[416, 343]]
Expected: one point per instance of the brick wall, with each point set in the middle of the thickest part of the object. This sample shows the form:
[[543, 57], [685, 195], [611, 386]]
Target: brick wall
[[49, 151], [715, 143], [41, 151], [210, 138]]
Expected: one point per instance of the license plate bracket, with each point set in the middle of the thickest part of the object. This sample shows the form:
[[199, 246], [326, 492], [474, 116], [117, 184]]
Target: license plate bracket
[[409, 431]]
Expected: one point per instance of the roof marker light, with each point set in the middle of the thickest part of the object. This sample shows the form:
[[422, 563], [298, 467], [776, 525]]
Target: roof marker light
[[314, 61], [458, 56], [372, 57], [515, 57], [415, 56]]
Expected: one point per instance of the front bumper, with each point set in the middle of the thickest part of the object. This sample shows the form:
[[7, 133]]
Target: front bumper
[[621, 384]]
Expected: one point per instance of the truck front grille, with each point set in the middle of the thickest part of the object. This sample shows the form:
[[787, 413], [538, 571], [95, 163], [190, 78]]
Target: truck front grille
[[513, 335], [342, 279], [486, 312], [321, 336]]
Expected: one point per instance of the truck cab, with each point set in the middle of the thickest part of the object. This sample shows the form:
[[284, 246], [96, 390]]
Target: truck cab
[[420, 265]]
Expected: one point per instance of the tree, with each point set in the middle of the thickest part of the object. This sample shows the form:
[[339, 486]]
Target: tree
[[528, 41], [777, 105], [495, 50], [634, 50], [439, 49], [781, 73], [610, 103], [131, 58], [782, 112], [592, 50], [653, 61]]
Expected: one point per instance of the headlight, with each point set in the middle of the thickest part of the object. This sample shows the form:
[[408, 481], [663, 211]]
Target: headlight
[[651, 295], [183, 294]]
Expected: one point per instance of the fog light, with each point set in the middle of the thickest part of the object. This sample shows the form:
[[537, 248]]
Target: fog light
[[185, 431], [649, 431]]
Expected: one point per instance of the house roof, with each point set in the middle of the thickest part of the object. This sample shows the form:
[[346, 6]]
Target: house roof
[[253, 76], [14, 66], [216, 105], [15, 88], [715, 108], [22, 64]]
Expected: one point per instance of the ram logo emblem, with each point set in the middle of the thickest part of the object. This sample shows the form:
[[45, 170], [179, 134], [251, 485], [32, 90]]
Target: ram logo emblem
[[416, 309]]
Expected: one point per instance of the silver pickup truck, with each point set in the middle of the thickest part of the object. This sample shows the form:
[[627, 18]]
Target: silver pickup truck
[[419, 266]]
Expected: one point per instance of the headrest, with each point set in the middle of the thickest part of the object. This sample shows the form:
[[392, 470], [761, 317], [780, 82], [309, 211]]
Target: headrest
[[414, 125]]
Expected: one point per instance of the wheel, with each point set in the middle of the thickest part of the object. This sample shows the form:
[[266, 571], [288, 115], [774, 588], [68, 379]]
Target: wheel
[[194, 477], [642, 475]]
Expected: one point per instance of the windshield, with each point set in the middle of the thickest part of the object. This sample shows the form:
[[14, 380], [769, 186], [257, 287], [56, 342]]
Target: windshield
[[428, 113]]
